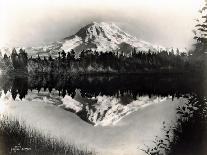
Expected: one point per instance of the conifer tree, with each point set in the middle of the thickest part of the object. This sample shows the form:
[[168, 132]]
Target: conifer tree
[[72, 52], [14, 58], [201, 32]]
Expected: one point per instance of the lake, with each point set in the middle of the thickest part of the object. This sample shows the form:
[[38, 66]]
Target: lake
[[105, 114]]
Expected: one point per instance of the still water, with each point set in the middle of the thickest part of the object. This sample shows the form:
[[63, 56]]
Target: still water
[[112, 115]]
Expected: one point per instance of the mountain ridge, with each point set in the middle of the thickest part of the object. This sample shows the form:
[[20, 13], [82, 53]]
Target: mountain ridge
[[105, 37], [100, 37]]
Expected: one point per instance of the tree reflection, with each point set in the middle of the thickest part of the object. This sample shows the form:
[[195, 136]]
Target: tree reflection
[[92, 86], [187, 137]]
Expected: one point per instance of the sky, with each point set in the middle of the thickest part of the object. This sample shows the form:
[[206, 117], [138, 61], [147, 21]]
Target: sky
[[37, 22]]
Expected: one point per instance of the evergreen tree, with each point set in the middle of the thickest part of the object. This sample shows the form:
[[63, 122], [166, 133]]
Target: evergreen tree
[[63, 55], [50, 58], [72, 54], [201, 32], [58, 55], [23, 59], [6, 57], [68, 56], [14, 58], [38, 58], [6, 61], [177, 51]]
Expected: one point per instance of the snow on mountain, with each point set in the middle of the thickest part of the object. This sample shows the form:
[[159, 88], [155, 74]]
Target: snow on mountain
[[105, 37], [105, 110], [96, 36]]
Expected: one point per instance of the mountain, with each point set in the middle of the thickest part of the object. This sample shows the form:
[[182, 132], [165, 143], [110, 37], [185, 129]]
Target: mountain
[[96, 36], [104, 37]]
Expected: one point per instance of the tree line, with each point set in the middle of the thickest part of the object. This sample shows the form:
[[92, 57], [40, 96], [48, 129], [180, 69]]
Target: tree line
[[110, 62], [90, 61]]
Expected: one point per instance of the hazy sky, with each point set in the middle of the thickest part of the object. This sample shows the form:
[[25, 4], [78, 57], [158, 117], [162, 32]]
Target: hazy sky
[[36, 22]]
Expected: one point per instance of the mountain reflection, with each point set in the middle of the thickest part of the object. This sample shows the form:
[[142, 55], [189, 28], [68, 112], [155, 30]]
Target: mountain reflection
[[104, 100]]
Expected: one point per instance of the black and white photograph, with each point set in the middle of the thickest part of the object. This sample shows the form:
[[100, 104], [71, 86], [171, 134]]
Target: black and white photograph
[[103, 77]]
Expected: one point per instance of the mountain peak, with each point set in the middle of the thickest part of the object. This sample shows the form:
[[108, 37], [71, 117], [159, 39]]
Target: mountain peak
[[104, 37], [99, 36], [93, 30], [105, 24]]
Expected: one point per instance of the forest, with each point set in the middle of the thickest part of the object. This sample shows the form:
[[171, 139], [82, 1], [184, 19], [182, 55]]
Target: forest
[[92, 62]]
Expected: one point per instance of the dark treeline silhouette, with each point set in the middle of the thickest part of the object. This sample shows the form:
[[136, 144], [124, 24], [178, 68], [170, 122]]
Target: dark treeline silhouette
[[90, 86], [106, 62], [113, 62]]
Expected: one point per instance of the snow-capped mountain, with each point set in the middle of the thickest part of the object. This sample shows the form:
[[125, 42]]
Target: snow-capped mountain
[[95, 36], [104, 37]]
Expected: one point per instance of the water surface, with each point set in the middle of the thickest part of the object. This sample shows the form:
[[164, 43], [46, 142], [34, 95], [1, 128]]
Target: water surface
[[122, 115]]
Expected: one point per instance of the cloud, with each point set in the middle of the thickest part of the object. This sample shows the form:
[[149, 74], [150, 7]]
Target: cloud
[[36, 22]]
